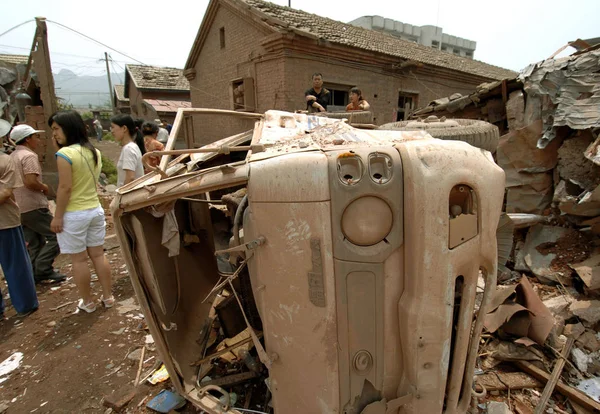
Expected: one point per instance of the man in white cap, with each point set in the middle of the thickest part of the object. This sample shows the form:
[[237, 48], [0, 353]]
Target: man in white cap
[[163, 134], [13, 253], [33, 205]]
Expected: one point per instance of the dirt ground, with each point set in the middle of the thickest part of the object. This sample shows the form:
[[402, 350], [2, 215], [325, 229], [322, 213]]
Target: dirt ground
[[72, 360]]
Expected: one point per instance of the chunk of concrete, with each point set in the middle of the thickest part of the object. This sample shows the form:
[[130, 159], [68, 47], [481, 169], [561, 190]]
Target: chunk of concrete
[[574, 330], [559, 305], [498, 407], [589, 341], [580, 359], [589, 271], [541, 265], [586, 310], [573, 165]]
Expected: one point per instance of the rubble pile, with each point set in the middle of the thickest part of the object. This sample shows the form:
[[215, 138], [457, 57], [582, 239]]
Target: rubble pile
[[542, 327]]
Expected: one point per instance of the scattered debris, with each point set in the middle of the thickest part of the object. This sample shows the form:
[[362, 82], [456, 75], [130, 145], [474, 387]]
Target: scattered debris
[[166, 401], [159, 376], [9, 365], [119, 399]]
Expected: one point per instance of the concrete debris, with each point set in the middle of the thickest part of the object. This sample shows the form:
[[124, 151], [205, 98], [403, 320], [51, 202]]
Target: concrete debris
[[541, 264], [589, 341], [573, 330], [135, 355], [589, 271], [497, 407], [580, 359], [587, 310], [559, 305], [573, 165]]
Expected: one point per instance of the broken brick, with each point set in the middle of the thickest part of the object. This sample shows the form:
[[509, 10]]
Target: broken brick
[[119, 399]]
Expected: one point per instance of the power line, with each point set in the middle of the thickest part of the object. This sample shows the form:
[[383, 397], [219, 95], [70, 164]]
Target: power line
[[16, 27], [95, 58], [94, 40]]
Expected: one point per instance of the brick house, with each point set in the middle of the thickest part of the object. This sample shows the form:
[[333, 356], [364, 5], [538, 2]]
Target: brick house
[[250, 55], [155, 92], [120, 102]]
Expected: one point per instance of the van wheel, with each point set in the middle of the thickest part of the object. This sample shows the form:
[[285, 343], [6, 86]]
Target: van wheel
[[477, 133]]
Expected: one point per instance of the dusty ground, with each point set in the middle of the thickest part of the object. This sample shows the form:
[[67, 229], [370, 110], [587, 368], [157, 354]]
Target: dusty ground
[[72, 360]]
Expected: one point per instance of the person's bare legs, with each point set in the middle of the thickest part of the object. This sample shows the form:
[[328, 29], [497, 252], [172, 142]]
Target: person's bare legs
[[81, 273], [102, 269]]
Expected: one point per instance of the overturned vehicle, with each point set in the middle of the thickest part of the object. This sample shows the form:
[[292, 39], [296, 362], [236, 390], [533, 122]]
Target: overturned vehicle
[[311, 267]]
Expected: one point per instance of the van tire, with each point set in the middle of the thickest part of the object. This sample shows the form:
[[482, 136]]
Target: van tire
[[477, 133]]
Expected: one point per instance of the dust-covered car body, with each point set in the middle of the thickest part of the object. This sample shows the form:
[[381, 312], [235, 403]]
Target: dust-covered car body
[[362, 251]]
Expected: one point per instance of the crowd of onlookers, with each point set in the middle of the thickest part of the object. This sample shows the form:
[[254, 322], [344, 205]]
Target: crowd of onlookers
[[31, 237]]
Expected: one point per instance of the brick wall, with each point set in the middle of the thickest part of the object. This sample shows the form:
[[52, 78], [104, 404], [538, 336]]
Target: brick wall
[[380, 90], [280, 81], [217, 67], [34, 117]]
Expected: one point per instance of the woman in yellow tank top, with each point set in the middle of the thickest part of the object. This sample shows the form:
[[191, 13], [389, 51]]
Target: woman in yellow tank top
[[79, 219]]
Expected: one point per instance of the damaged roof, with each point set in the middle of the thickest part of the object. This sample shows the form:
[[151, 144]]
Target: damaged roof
[[573, 85], [346, 34], [167, 105], [14, 59], [120, 93], [155, 77]]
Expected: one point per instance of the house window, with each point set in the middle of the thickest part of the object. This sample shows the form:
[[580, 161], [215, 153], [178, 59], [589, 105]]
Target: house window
[[242, 94], [456, 51], [222, 37], [470, 54], [435, 44], [407, 102], [339, 96]]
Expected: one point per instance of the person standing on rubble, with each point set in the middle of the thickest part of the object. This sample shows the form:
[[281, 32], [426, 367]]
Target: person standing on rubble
[[33, 205], [13, 252], [317, 97], [79, 219], [98, 128], [129, 166]]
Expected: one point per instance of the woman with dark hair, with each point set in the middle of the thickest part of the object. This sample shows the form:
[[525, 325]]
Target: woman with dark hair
[[357, 102], [150, 132], [130, 165], [79, 221]]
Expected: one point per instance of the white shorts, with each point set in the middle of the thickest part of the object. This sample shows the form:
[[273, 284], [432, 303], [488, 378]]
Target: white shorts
[[82, 229]]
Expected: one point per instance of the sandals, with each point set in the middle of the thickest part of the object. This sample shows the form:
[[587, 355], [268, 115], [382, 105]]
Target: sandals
[[108, 302], [87, 307]]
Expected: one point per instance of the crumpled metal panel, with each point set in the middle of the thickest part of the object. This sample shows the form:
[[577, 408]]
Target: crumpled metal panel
[[573, 85]]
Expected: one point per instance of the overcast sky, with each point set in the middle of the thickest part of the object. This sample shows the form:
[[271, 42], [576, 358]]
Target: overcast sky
[[511, 35]]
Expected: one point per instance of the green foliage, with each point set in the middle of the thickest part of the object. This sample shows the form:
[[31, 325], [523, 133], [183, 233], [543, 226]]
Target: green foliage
[[109, 169], [62, 106], [87, 115], [108, 137]]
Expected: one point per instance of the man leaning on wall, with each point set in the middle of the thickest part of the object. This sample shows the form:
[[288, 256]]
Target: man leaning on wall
[[317, 97], [33, 205]]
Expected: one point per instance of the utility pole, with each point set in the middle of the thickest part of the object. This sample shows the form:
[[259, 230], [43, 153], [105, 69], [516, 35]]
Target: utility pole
[[110, 88]]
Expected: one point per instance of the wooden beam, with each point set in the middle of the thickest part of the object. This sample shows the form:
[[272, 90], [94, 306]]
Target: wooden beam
[[558, 367], [566, 390]]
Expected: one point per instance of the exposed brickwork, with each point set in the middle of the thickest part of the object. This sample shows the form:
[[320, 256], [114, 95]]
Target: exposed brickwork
[[280, 79]]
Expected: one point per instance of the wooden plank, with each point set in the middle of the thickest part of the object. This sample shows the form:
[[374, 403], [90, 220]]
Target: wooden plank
[[501, 381], [569, 392], [558, 367]]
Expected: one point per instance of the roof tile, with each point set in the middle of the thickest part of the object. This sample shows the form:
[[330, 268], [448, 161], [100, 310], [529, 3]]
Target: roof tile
[[154, 77], [346, 34]]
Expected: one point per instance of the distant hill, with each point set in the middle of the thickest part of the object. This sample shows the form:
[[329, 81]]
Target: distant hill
[[81, 91]]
